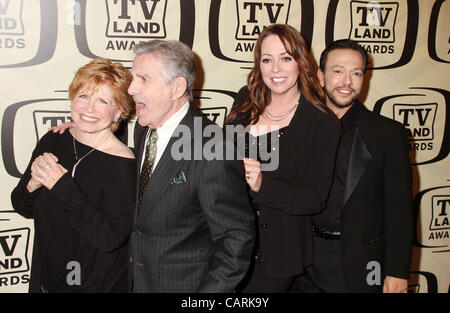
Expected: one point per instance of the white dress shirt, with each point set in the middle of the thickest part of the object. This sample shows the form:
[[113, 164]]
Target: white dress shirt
[[164, 133]]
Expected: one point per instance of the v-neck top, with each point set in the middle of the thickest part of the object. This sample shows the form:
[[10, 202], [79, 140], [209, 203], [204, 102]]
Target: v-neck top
[[265, 144]]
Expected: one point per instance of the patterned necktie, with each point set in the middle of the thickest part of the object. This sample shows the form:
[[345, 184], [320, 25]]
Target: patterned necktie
[[149, 160]]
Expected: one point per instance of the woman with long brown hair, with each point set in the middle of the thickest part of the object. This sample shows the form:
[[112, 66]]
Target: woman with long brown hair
[[284, 112]]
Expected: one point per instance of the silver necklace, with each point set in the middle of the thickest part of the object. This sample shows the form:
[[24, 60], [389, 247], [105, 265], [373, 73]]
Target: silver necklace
[[277, 118], [81, 159]]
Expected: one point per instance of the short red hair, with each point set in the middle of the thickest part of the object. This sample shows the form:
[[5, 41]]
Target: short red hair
[[100, 72]]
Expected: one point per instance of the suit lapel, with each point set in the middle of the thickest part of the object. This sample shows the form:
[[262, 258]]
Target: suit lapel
[[139, 147], [139, 142], [298, 128], [160, 179], [360, 158], [165, 170]]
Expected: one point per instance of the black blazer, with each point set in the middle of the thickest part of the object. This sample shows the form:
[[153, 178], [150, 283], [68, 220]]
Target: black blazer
[[378, 220], [194, 231], [297, 189]]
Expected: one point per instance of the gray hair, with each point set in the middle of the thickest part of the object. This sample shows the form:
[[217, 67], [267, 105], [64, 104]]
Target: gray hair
[[177, 58]]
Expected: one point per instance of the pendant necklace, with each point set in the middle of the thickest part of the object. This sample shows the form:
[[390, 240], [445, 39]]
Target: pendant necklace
[[277, 118], [78, 160]]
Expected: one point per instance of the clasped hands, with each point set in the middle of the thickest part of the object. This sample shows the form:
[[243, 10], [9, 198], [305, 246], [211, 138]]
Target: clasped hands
[[45, 171]]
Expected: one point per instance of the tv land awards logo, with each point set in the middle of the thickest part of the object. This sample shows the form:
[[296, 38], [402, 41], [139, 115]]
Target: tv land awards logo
[[238, 36], [440, 206], [27, 32], [44, 119], [11, 22], [418, 119], [426, 118], [207, 101], [439, 50], [28, 118], [111, 28], [376, 26], [433, 208], [253, 16], [374, 22], [125, 20], [215, 114], [14, 263]]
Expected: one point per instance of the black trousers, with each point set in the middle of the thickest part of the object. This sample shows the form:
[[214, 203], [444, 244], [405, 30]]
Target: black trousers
[[257, 280], [327, 272]]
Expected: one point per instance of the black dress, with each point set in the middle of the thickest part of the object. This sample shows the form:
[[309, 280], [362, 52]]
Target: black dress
[[82, 224]]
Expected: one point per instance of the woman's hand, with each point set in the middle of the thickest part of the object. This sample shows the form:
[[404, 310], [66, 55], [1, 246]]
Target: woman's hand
[[253, 174], [33, 184], [46, 171], [62, 128]]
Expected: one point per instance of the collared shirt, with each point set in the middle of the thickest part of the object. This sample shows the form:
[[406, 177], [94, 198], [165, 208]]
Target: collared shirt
[[165, 132], [331, 217]]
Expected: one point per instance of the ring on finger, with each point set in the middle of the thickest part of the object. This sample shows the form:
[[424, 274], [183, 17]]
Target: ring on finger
[[46, 166], [247, 175]]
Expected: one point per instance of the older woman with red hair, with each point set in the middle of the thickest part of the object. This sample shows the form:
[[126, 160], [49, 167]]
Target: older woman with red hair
[[79, 188]]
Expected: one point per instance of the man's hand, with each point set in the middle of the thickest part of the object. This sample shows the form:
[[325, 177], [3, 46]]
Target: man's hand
[[395, 285], [62, 128]]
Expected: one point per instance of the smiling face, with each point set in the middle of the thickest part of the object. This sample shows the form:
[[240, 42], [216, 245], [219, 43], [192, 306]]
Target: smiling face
[[342, 79], [94, 110], [278, 68]]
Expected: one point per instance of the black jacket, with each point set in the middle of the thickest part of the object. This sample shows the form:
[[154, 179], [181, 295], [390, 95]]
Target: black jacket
[[297, 189], [378, 220]]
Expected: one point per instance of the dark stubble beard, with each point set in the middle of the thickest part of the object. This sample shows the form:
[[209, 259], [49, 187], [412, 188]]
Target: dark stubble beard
[[335, 103]]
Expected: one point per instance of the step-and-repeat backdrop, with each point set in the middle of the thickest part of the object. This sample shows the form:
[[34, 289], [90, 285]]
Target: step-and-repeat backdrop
[[43, 43]]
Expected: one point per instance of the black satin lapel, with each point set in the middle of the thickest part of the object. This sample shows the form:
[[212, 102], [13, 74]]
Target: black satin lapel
[[360, 158]]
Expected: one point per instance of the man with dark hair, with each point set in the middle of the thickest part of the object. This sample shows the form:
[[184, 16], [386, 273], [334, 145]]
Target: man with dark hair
[[363, 239]]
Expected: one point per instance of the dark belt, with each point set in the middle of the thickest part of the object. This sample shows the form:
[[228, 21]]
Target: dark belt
[[322, 232]]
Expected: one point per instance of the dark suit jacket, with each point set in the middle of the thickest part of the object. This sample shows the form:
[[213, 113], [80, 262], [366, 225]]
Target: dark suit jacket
[[297, 189], [377, 213], [194, 233]]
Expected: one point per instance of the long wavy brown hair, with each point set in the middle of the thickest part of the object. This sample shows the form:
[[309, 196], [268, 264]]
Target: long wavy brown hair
[[259, 95]]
